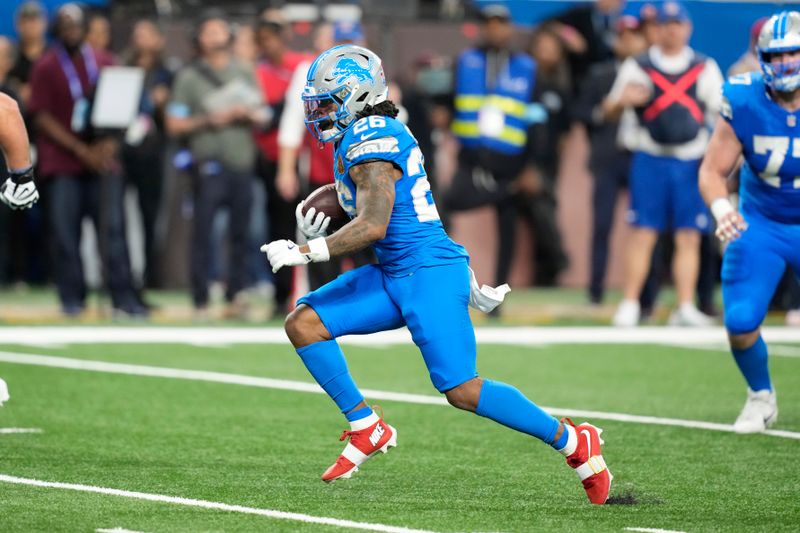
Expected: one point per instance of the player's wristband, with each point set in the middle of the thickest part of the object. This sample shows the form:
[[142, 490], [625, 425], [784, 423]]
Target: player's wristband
[[318, 250], [22, 176], [721, 207]]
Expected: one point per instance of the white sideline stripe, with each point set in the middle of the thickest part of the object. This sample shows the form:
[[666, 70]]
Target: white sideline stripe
[[520, 336], [117, 530], [189, 502], [302, 386], [652, 530], [778, 350], [9, 431]]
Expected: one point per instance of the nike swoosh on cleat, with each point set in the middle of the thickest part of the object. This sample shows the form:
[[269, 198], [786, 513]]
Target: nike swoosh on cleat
[[585, 433]]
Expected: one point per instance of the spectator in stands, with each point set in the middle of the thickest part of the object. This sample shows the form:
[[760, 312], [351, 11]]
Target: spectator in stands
[[595, 23], [537, 198], [244, 44], [493, 90], [145, 142], [99, 33], [609, 162], [215, 103], [293, 137], [676, 94], [74, 161], [648, 14], [427, 98], [748, 62], [274, 71], [31, 26], [28, 245]]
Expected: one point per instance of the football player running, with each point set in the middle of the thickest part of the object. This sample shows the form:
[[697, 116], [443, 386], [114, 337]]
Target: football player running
[[19, 190], [759, 120], [422, 280]]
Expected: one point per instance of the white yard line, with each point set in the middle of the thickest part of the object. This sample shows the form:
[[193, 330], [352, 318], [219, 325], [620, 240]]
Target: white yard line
[[117, 530], [11, 431], [778, 350], [521, 336], [652, 530], [302, 386], [189, 502]]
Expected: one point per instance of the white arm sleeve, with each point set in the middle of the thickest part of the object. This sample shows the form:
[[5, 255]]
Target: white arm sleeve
[[292, 126], [629, 72], [709, 89]]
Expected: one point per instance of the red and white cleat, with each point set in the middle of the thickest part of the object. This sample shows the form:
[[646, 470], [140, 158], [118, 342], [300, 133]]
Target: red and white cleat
[[364, 443], [588, 462]]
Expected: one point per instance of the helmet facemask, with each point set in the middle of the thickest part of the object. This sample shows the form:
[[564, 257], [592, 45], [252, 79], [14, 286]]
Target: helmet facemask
[[780, 35], [783, 76]]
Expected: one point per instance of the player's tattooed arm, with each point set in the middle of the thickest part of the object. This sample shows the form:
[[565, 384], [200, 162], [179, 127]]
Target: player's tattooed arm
[[375, 192]]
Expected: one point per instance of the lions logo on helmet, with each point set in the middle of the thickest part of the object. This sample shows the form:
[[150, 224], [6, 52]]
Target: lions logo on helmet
[[780, 34], [347, 67], [341, 82]]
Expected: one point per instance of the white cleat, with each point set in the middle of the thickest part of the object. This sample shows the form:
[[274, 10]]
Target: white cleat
[[688, 315], [760, 412], [627, 315]]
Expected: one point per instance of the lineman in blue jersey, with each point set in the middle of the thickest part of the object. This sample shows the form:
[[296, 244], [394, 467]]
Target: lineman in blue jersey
[[422, 280], [760, 120]]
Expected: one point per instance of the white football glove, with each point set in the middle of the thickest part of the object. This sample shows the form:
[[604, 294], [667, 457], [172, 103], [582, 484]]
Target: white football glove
[[286, 253], [310, 225], [485, 298], [730, 223], [19, 190]]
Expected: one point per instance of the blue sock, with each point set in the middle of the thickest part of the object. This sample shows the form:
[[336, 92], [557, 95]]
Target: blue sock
[[358, 414], [326, 363], [562, 440], [506, 405], [753, 365]]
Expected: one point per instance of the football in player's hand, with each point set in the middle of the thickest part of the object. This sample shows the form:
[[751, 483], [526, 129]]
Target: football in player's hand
[[326, 200]]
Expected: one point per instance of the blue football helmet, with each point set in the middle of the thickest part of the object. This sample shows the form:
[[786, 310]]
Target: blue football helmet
[[341, 82], [781, 33]]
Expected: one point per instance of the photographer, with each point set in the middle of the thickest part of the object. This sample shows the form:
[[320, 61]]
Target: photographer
[[215, 103]]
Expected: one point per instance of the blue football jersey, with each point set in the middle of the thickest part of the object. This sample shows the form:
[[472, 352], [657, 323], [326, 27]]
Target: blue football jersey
[[770, 137], [415, 237]]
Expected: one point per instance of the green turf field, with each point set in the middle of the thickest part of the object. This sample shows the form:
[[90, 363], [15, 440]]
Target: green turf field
[[265, 448]]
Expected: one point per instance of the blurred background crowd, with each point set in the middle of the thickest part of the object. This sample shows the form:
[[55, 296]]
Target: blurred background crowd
[[533, 118]]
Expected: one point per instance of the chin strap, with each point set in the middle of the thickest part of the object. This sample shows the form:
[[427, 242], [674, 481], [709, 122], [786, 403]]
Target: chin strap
[[486, 298]]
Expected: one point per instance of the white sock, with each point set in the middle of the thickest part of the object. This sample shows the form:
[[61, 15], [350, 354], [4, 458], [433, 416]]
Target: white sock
[[364, 423], [572, 441]]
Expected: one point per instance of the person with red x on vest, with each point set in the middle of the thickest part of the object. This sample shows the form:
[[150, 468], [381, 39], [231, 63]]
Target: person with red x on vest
[[671, 94]]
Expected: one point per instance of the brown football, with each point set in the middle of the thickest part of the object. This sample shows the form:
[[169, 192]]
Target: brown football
[[326, 200]]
